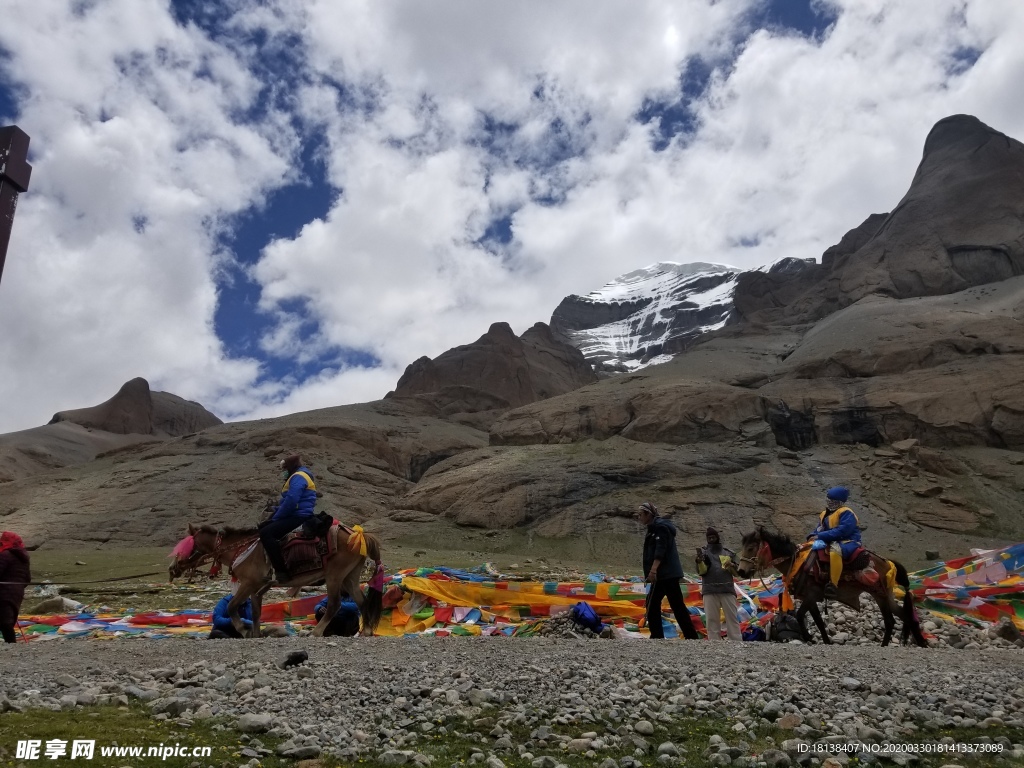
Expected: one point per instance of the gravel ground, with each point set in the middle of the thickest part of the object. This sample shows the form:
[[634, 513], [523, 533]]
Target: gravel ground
[[380, 697]]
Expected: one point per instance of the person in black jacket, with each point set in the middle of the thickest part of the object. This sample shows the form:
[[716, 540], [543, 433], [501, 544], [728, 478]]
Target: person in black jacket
[[663, 571], [15, 575]]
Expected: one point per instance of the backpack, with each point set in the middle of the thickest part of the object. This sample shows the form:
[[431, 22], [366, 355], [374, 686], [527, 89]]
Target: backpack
[[784, 627], [317, 526], [585, 616], [755, 634]]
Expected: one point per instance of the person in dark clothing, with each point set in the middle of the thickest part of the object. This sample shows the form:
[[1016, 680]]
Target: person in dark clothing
[[663, 571], [15, 571], [298, 498], [222, 626], [345, 622], [716, 565]]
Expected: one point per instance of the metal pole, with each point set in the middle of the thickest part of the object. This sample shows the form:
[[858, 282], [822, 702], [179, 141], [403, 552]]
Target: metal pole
[[15, 173]]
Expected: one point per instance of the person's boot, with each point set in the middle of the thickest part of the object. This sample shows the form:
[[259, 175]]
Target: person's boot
[[831, 593], [276, 558]]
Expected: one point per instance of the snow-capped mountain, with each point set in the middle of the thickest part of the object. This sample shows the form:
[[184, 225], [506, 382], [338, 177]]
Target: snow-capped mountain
[[645, 316]]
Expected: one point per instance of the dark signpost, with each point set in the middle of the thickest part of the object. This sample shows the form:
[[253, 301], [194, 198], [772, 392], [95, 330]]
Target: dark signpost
[[14, 175]]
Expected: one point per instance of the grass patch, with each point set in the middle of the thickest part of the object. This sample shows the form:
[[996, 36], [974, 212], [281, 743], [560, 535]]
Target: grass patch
[[132, 726], [123, 727], [690, 735]]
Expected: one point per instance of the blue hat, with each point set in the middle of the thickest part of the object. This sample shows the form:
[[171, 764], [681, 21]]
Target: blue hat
[[837, 494]]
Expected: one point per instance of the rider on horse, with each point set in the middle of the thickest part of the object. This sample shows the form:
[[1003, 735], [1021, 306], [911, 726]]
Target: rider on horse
[[298, 497], [839, 530]]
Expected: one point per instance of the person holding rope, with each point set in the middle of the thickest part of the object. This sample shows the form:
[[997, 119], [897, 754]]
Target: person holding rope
[[663, 571], [15, 575], [298, 498]]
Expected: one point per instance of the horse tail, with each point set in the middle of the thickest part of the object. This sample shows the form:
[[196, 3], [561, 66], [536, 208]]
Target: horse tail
[[373, 604], [910, 621]]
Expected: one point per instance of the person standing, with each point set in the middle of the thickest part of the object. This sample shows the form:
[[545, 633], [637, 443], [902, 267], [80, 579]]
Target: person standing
[[716, 565], [15, 575], [663, 571]]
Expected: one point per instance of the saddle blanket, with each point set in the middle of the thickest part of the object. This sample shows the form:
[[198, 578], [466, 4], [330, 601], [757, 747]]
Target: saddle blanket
[[858, 559], [303, 554]]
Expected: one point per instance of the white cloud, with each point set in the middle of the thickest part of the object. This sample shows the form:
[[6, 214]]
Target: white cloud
[[135, 125], [136, 157]]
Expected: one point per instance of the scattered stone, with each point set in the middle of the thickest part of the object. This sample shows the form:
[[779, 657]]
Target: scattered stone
[[254, 723], [775, 758], [293, 659], [643, 727]]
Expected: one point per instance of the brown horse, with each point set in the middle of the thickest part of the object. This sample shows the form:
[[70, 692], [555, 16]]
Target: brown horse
[[341, 571], [763, 549]]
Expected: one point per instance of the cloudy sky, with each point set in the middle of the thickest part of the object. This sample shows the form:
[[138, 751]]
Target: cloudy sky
[[276, 205]]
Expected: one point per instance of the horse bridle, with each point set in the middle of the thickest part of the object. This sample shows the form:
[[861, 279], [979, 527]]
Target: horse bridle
[[757, 560], [214, 555]]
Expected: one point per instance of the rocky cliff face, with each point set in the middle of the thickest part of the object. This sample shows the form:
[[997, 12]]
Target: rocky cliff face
[[960, 225], [497, 372]]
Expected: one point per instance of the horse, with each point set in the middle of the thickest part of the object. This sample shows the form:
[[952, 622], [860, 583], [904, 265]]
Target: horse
[[341, 571], [763, 549]]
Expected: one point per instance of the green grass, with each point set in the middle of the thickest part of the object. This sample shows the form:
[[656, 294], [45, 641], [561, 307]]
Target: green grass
[[690, 734], [133, 727], [58, 565], [125, 726]]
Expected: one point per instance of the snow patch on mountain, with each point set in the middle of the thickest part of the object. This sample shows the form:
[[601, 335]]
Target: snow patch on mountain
[[645, 316]]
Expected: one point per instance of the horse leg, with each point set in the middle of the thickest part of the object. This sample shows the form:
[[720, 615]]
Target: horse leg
[[885, 604], [333, 586], [801, 617], [241, 595], [819, 622], [351, 586]]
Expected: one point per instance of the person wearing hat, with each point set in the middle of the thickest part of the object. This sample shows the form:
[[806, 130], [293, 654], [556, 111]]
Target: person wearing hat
[[716, 565], [663, 571], [15, 575], [298, 498], [839, 530]]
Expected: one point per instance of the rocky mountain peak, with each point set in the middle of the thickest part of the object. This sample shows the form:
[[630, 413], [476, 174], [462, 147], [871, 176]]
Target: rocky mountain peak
[[644, 316], [135, 409], [499, 370], [958, 134]]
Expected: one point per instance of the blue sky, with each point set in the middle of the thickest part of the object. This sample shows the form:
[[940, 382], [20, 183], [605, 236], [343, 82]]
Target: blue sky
[[275, 206]]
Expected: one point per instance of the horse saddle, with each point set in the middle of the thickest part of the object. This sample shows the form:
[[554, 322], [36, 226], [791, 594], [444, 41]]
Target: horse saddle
[[306, 548], [858, 559], [817, 568]]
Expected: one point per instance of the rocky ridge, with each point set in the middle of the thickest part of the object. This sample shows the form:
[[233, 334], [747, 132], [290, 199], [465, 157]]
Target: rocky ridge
[[134, 415]]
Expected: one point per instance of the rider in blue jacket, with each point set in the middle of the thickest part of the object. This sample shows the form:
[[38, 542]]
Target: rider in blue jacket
[[298, 498], [839, 530], [345, 621], [222, 626]]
